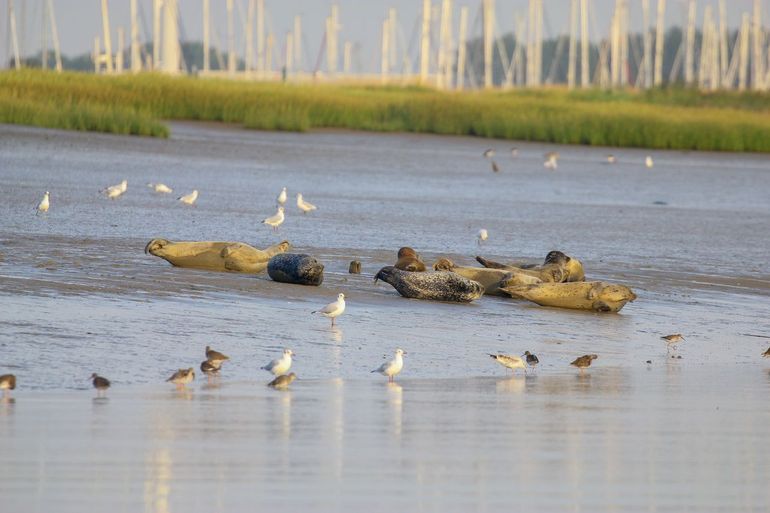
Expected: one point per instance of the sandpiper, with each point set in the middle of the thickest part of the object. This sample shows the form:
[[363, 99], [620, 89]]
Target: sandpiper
[[648, 162], [211, 367], [100, 384], [672, 340], [532, 359], [488, 153], [280, 365], [393, 367], [275, 220], [551, 160], [44, 203], [215, 357], [182, 377], [333, 310], [511, 362], [283, 381], [611, 159], [7, 382], [584, 361]]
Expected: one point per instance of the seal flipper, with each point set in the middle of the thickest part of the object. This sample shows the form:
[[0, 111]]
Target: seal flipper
[[489, 263]]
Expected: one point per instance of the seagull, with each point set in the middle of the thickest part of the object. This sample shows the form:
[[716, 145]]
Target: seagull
[[648, 162], [283, 381], [182, 377], [215, 357], [532, 360], [303, 205], [333, 310], [115, 191], [189, 199], [275, 220], [488, 153], [611, 159], [44, 203], [393, 367], [281, 365], [281, 199], [551, 160], [672, 340], [495, 168], [211, 367], [511, 362], [160, 187], [100, 384], [514, 152], [7, 382], [584, 361], [482, 236]]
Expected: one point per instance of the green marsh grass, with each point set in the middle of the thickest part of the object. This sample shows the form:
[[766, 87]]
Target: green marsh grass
[[135, 104]]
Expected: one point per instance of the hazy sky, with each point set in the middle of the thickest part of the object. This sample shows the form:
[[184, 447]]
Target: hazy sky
[[79, 21]]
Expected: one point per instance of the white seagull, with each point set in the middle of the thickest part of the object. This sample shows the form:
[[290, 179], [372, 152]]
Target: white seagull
[[160, 187], [189, 199], [333, 310], [115, 191], [44, 203], [393, 367], [281, 199], [303, 205], [276, 220], [280, 366], [511, 362], [483, 235], [648, 162], [551, 160]]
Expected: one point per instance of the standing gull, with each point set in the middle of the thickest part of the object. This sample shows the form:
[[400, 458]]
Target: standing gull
[[551, 160], [276, 220], [303, 205], [189, 199], [648, 162], [160, 187], [514, 152], [281, 198], [333, 310], [393, 367], [511, 362], [488, 153], [115, 191], [44, 203], [611, 159], [100, 384], [584, 361], [280, 366], [7, 382], [672, 340], [283, 381], [532, 360], [482, 236], [182, 377]]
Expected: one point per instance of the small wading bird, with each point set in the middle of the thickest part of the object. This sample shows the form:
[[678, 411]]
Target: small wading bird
[[161, 188], [281, 198], [280, 366], [393, 367], [303, 205], [275, 220], [532, 360], [215, 357], [482, 236], [333, 310], [611, 159], [514, 152], [510, 362], [44, 203], [115, 191], [672, 340], [551, 160], [211, 368], [584, 361], [100, 384], [182, 377], [7, 382], [283, 381], [488, 153], [648, 162], [189, 199]]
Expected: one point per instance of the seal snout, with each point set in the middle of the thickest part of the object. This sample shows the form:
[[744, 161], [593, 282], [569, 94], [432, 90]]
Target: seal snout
[[384, 274], [154, 245]]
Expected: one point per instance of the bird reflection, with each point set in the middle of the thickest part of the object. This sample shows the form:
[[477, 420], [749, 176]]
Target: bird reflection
[[336, 334], [286, 414], [182, 393], [6, 404], [395, 401], [157, 484], [510, 385]]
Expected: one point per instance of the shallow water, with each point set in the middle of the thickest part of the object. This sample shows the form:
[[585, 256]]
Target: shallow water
[[78, 295]]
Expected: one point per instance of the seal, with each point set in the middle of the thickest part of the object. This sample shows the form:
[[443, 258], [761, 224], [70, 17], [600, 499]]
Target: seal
[[297, 269], [588, 295], [409, 260], [557, 267], [436, 286], [215, 256], [491, 279]]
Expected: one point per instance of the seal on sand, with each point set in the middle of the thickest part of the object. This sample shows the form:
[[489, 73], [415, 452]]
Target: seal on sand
[[557, 267], [409, 260], [437, 286], [588, 295], [297, 269], [215, 256], [492, 279]]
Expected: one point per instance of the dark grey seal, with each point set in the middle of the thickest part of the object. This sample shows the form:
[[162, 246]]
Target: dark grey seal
[[437, 286], [298, 269]]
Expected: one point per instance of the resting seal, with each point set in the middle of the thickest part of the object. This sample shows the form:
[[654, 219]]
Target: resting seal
[[557, 267], [437, 286], [409, 260], [297, 269], [591, 295], [491, 279], [215, 256]]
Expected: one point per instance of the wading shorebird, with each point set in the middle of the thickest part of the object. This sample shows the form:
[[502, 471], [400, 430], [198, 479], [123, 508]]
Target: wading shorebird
[[303, 205], [189, 199], [333, 310], [281, 198], [283, 381], [215, 357], [648, 162], [495, 168], [510, 362], [275, 220], [211, 368], [584, 361], [488, 153], [44, 203], [514, 152], [672, 340], [551, 160], [182, 377], [611, 159], [160, 187], [100, 384], [393, 367], [532, 360], [281, 365], [115, 191], [7, 382]]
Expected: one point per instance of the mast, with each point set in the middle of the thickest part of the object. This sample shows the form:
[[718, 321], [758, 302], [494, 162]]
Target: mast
[[297, 42], [385, 51], [489, 19], [743, 67], [171, 57], [249, 53], [757, 72], [572, 64], [660, 42], [425, 42], [647, 44], [689, 72], [107, 38], [136, 62], [156, 14], [461, 48], [55, 36], [585, 75], [119, 55], [231, 62], [723, 44], [261, 37], [14, 35]]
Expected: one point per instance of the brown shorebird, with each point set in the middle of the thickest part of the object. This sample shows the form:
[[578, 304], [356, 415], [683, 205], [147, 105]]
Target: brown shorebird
[[182, 377], [584, 361], [766, 354], [495, 167], [283, 381], [215, 357], [488, 153], [7, 382], [211, 367], [532, 359], [511, 362], [672, 340], [100, 384]]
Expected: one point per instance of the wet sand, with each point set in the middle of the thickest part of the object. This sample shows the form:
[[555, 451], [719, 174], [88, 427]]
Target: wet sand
[[78, 295]]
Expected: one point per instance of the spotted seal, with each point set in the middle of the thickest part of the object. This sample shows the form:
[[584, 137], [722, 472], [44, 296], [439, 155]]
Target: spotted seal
[[215, 256], [409, 260], [436, 285], [492, 279], [557, 267], [297, 269]]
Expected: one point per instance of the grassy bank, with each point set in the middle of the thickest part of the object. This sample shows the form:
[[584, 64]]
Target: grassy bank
[[676, 119]]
